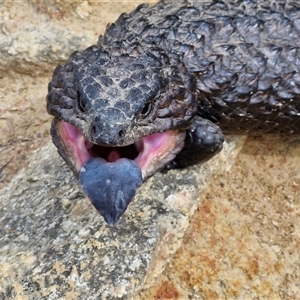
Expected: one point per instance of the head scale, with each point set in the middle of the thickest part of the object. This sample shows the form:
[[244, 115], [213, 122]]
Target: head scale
[[115, 97]]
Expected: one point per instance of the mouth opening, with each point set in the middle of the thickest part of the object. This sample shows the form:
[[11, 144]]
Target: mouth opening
[[150, 153], [112, 154]]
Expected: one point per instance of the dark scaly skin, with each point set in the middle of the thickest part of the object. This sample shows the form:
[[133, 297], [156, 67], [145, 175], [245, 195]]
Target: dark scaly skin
[[206, 68], [245, 57]]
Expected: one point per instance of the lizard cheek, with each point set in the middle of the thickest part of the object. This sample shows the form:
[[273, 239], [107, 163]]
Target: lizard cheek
[[156, 150], [76, 145]]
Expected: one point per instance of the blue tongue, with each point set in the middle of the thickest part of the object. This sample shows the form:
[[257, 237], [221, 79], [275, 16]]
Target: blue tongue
[[110, 185]]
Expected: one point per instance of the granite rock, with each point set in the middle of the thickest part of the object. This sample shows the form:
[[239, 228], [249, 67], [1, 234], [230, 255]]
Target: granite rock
[[54, 244]]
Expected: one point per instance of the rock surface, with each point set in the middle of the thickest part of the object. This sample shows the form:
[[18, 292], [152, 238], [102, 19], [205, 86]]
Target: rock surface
[[54, 244], [242, 242]]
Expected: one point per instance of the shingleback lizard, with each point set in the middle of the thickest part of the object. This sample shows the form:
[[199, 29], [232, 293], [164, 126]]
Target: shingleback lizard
[[164, 83]]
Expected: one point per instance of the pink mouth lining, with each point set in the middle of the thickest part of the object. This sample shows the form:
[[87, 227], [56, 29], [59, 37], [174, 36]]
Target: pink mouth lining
[[145, 152]]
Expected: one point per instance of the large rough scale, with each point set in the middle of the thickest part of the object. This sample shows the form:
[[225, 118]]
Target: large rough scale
[[240, 59], [244, 54]]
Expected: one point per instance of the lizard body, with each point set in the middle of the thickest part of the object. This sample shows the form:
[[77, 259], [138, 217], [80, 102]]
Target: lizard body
[[164, 83]]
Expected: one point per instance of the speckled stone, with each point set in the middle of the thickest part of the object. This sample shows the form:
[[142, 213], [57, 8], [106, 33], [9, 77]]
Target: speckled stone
[[54, 245], [243, 240]]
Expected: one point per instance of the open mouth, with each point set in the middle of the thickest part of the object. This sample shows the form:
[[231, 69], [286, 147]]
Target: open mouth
[[110, 176], [150, 153]]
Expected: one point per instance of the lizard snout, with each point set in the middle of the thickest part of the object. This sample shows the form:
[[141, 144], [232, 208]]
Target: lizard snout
[[110, 135]]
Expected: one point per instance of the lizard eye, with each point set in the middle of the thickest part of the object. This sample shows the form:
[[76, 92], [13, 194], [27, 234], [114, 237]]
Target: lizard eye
[[146, 110]]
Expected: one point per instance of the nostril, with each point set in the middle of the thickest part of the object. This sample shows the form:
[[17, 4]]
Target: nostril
[[93, 130], [121, 133]]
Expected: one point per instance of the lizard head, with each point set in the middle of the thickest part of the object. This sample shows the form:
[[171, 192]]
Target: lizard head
[[117, 105]]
